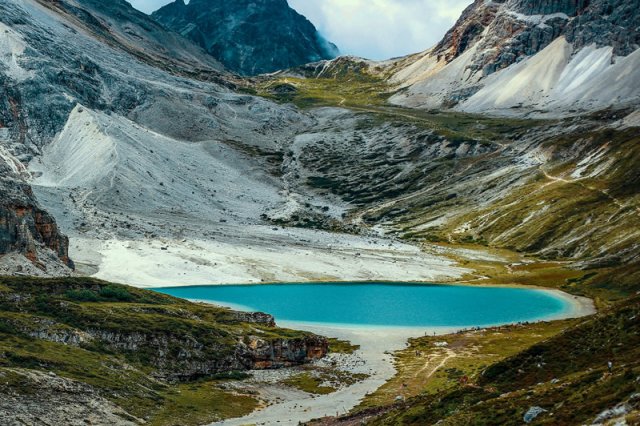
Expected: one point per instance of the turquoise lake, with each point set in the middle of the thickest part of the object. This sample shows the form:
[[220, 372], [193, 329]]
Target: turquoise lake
[[384, 304]]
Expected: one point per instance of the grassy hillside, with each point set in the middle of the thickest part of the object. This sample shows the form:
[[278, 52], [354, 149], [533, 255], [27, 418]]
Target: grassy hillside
[[565, 373], [156, 357]]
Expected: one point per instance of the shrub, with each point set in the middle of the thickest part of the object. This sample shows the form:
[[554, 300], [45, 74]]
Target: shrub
[[83, 295], [116, 293], [6, 328]]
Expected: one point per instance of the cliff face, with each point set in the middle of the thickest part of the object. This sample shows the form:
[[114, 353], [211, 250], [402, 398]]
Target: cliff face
[[249, 37], [25, 228], [183, 357]]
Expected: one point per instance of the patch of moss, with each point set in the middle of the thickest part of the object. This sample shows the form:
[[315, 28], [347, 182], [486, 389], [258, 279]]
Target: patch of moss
[[342, 346], [309, 383], [323, 381], [201, 403]]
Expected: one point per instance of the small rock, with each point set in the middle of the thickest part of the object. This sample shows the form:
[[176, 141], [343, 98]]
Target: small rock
[[532, 413]]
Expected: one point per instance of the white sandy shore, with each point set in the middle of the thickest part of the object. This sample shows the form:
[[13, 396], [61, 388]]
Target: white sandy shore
[[580, 306], [259, 254], [376, 346]]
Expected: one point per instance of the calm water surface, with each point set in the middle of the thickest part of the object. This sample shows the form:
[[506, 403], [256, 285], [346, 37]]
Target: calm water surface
[[384, 304]]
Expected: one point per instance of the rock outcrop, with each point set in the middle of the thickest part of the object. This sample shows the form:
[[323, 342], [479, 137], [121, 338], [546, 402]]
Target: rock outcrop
[[507, 31], [25, 228], [180, 357], [56, 400], [249, 37]]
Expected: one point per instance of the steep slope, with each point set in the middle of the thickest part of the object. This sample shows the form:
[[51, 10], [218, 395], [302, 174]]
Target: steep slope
[[118, 24], [49, 61], [519, 56], [249, 37]]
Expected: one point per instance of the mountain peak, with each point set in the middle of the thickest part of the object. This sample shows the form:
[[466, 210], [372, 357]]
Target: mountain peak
[[248, 36], [534, 48]]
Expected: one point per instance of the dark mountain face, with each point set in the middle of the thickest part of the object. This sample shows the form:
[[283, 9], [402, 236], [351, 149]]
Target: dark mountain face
[[248, 36]]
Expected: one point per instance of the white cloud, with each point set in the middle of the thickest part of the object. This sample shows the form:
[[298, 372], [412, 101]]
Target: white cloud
[[380, 29], [375, 29]]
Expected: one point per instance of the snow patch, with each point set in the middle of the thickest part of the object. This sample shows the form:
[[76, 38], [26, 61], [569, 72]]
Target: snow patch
[[538, 19]]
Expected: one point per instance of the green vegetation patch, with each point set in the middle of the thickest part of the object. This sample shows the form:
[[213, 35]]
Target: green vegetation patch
[[323, 381], [310, 383], [137, 348], [342, 346]]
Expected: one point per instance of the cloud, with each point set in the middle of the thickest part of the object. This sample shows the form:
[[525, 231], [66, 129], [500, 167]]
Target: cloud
[[381, 29], [375, 29]]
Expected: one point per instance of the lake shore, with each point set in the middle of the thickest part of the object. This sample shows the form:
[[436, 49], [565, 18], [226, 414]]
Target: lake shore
[[377, 345], [376, 348], [580, 306]]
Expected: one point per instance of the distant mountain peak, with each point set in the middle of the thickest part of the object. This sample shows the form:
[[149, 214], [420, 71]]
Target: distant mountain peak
[[248, 36]]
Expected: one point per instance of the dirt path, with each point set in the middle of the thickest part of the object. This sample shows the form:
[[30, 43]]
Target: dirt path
[[448, 354], [614, 200]]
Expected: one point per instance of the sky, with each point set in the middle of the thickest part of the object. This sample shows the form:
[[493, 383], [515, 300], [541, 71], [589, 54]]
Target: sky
[[373, 29]]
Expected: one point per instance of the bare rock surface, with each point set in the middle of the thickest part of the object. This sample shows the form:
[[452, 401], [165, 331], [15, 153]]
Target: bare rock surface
[[249, 37], [48, 399]]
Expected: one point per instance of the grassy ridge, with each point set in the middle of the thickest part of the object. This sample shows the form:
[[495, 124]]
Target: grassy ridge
[[39, 320]]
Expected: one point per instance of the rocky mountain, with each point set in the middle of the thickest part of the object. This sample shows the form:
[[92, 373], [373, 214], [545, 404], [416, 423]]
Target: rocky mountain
[[248, 36], [520, 56], [136, 155]]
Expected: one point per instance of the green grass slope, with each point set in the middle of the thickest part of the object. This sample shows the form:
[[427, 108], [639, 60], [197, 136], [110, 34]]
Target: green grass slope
[[566, 375], [157, 357]]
